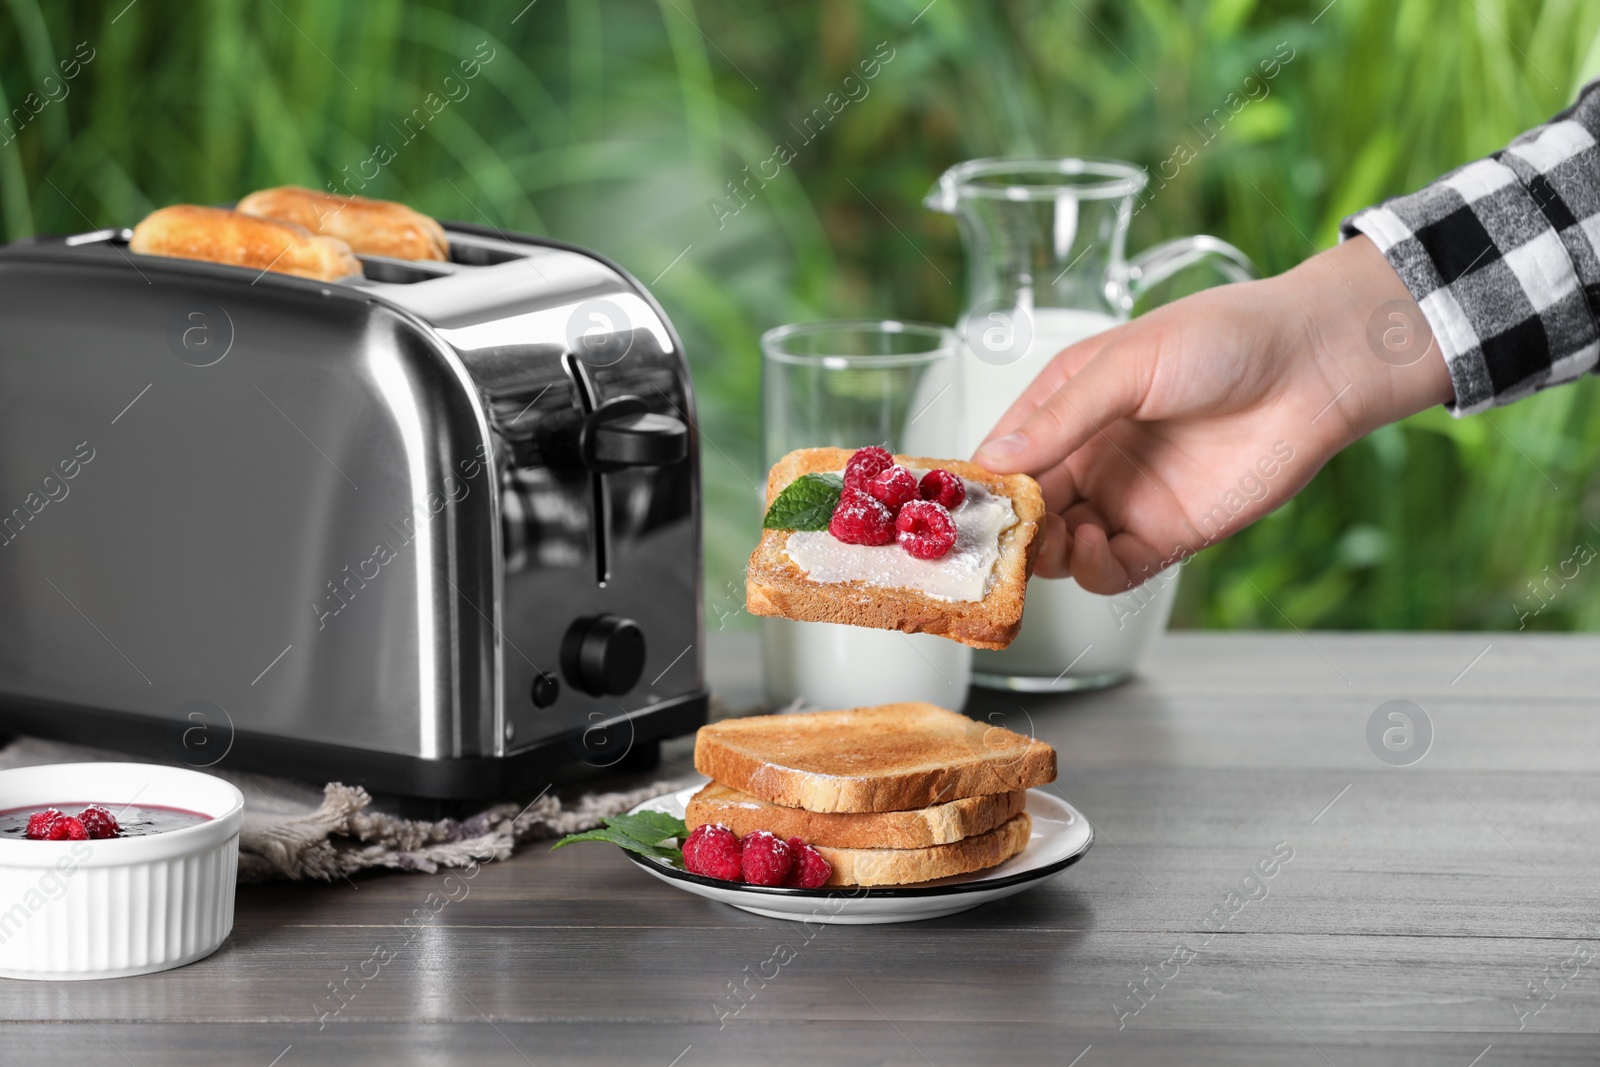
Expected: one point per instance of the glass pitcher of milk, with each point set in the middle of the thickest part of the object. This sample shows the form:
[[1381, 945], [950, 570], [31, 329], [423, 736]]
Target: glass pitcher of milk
[[1047, 267]]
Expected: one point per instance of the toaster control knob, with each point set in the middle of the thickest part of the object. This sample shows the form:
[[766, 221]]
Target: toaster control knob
[[603, 655]]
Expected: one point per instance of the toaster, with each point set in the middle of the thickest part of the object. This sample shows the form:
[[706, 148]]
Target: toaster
[[434, 530]]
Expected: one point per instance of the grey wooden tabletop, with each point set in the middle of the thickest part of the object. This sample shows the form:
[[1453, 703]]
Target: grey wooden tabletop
[[1442, 912]]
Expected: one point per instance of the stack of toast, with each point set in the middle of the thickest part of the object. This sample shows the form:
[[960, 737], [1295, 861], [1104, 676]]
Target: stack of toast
[[890, 795]]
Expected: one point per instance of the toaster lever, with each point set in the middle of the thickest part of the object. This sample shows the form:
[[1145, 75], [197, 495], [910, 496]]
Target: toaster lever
[[624, 432]]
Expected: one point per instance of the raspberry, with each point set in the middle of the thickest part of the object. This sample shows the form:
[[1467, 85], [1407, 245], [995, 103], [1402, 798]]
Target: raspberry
[[713, 851], [861, 519], [865, 465], [942, 487], [99, 822], [39, 823], [67, 828], [810, 870], [766, 858], [925, 529], [894, 487]]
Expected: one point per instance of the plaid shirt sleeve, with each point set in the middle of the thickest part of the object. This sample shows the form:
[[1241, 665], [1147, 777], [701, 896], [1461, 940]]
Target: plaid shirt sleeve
[[1503, 257]]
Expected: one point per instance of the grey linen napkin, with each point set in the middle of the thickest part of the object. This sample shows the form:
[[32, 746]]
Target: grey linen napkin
[[294, 831]]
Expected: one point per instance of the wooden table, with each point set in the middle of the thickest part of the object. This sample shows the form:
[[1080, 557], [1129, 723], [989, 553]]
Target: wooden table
[[1427, 911]]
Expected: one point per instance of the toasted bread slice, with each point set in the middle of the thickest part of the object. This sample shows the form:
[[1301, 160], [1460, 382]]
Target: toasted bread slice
[[939, 825], [216, 235], [775, 584], [894, 757], [374, 227], [901, 866]]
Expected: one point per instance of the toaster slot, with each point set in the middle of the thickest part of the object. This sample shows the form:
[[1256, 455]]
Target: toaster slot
[[114, 236], [469, 254], [401, 271], [545, 518], [597, 485]]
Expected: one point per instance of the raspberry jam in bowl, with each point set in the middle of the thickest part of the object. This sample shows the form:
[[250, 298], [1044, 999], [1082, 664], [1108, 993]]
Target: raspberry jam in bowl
[[62, 822], [113, 869]]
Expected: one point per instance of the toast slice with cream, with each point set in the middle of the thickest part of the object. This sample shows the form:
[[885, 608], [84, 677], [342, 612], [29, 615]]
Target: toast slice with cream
[[973, 595]]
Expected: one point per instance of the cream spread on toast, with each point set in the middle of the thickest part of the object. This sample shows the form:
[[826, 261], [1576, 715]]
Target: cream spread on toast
[[964, 573]]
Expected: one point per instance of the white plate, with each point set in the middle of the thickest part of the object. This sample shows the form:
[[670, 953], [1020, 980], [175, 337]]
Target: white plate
[[1061, 836]]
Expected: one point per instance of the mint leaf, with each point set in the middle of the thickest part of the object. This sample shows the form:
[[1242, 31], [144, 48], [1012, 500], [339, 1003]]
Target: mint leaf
[[641, 832], [649, 827], [806, 503], [622, 840]]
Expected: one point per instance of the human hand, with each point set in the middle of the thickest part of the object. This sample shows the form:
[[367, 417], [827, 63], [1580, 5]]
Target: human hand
[[1163, 435]]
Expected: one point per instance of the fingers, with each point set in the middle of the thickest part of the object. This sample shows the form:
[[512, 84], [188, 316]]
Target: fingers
[[1059, 487], [1093, 564], [1110, 386], [1114, 565], [1055, 549], [1098, 564], [1066, 363]]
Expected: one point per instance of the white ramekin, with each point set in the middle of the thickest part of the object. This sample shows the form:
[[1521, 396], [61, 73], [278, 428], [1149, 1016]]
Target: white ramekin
[[119, 906]]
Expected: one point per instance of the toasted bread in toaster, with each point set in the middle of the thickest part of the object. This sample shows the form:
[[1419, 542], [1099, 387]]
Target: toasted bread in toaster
[[775, 585], [373, 227], [940, 824], [216, 235], [894, 757], [901, 866]]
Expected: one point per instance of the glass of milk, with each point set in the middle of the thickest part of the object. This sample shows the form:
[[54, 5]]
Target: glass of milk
[[1047, 267], [848, 385]]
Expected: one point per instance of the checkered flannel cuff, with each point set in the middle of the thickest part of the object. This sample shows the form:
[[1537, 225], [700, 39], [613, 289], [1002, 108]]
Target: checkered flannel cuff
[[1501, 257]]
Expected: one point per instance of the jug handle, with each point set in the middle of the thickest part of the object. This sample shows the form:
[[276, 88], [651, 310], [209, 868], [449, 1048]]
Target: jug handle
[[1157, 263]]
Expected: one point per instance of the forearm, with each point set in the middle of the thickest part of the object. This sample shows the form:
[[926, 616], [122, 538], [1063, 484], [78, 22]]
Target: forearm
[[1371, 341]]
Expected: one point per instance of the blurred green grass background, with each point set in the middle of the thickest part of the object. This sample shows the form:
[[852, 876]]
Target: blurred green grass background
[[615, 124]]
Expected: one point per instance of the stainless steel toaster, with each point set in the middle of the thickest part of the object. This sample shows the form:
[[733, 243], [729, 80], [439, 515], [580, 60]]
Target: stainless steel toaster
[[434, 530]]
